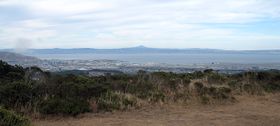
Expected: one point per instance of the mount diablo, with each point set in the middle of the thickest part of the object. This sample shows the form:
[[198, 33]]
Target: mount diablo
[[143, 49]]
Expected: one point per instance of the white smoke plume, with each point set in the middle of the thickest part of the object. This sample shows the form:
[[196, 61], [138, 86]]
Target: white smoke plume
[[22, 45]]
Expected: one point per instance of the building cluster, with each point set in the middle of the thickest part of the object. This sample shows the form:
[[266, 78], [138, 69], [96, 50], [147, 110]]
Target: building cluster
[[102, 67]]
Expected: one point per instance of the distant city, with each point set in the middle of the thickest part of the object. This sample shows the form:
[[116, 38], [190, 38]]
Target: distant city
[[131, 60]]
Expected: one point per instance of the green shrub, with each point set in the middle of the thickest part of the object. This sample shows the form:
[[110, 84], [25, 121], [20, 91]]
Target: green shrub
[[233, 84], [216, 78], [157, 97], [271, 87], [253, 88], [219, 92], [9, 118], [116, 101], [212, 93], [65, 106], [199, 88], [15, 94], [205, 100]]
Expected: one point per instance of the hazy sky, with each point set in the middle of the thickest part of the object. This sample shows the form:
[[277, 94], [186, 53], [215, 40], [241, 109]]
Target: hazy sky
[[220, 24]]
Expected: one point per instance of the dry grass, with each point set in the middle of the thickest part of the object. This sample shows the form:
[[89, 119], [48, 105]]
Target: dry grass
[[249, 111]]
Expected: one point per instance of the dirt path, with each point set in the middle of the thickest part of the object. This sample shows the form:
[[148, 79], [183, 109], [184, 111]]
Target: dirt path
[[249, 111]]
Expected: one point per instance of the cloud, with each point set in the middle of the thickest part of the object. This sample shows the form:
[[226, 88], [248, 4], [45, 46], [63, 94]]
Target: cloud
[[123, 23]]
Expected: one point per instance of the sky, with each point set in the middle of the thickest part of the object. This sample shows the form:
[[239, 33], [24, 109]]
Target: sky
[[215, 24]]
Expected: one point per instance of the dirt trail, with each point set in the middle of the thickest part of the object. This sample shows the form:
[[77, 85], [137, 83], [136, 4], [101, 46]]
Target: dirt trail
[[249, 111]]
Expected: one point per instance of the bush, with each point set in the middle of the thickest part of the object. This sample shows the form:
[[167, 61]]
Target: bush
[[253, 88], [9, 118], [219, 92], [15, 94], [9, 72], [271, 87], [214, 93], [66, 106], [199, 88], [116, 101], [205, 100], [157, 97]]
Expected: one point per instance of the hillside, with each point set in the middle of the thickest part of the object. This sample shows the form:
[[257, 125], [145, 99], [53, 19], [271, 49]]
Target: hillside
[[33, 92], [16, 57], [19, 59]]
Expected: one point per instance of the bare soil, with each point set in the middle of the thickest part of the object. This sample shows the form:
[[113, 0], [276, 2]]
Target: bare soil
[[248, 111]]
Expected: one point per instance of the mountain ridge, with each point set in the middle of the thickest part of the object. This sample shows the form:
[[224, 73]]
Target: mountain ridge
[[137, 49]]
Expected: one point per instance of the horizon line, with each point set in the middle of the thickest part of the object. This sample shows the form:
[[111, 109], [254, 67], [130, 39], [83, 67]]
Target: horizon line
[[141, 46]]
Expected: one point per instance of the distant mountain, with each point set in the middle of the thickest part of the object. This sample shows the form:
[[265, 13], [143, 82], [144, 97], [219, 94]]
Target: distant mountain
[[141, 49], [15, 58]]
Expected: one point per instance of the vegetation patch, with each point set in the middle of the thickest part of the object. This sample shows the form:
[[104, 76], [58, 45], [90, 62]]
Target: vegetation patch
[[116, 101], [10, 118], [31, 90], [67, 106]]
